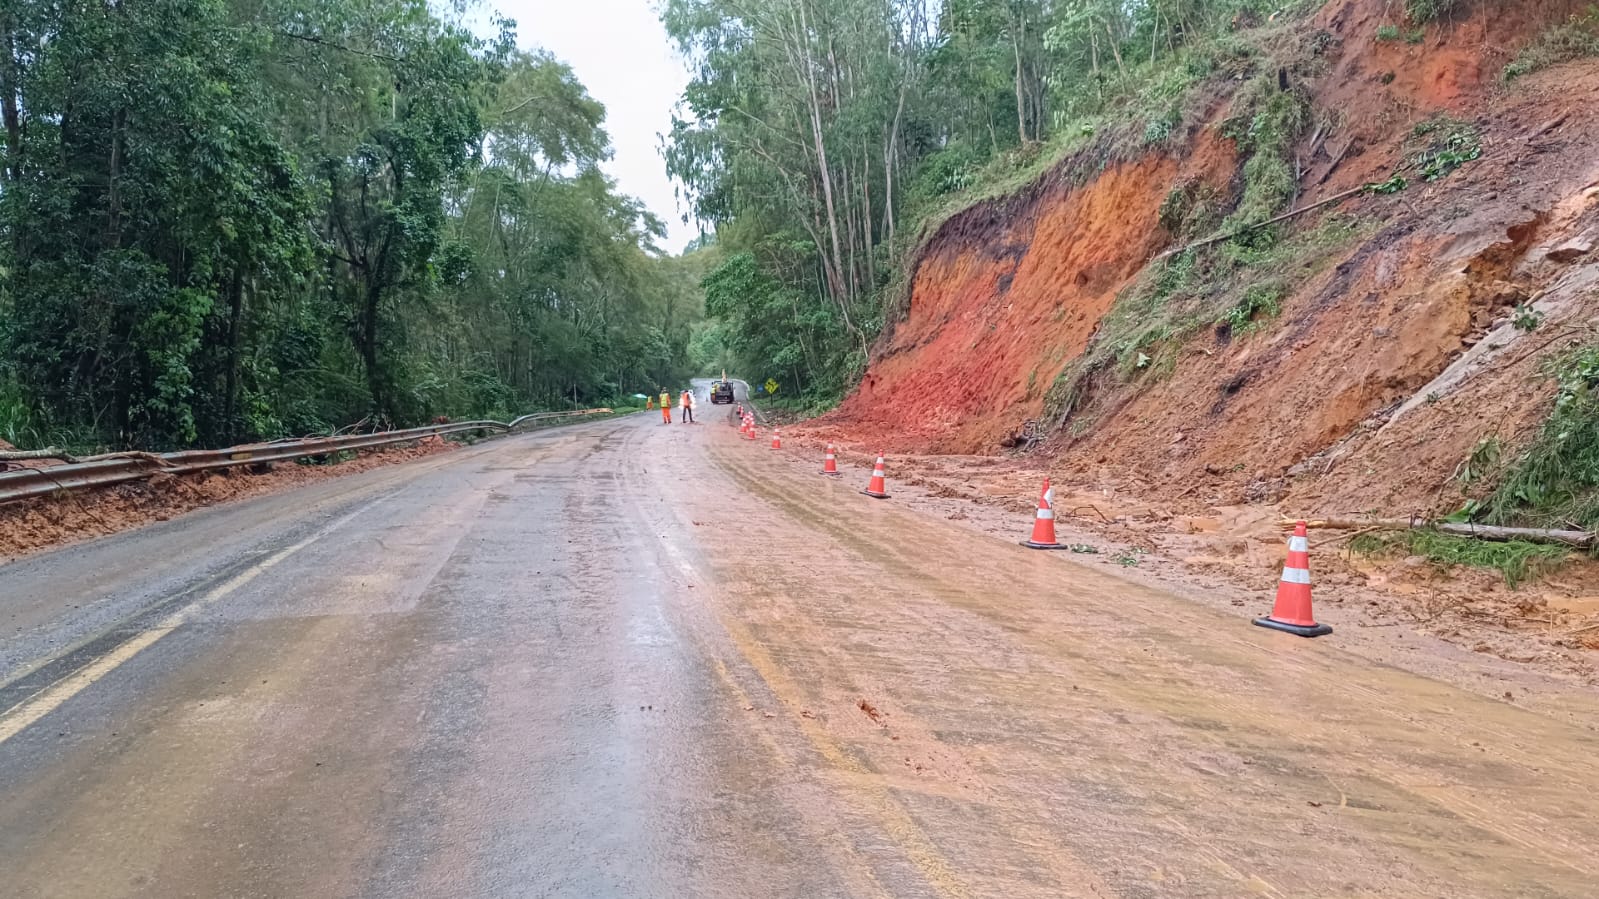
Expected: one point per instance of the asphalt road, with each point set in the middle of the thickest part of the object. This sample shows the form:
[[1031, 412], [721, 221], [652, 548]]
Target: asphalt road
[[631, 659]]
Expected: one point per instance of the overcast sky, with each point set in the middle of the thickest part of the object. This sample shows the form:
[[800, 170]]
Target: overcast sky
[[622, 55]]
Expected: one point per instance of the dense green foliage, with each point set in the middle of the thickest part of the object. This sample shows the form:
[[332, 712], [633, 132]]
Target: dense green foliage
[[820, 137], [1516, 560], [1556, 484], [234, 219]]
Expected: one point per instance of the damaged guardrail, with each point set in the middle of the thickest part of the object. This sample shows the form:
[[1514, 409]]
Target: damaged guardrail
[[27, 483]]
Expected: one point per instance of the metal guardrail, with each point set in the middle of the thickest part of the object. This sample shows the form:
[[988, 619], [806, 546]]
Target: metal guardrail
[[31, 482]]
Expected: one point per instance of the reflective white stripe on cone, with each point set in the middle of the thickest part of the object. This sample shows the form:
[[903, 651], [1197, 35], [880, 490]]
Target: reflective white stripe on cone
[[1292, 612], [1044, 522], [877, 487]]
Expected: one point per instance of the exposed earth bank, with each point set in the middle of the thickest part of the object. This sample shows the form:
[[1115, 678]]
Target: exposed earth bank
[[1412, 328]]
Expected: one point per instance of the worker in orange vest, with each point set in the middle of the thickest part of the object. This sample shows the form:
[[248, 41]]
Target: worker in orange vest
[[687, 404], [666, 407], [649, 404]]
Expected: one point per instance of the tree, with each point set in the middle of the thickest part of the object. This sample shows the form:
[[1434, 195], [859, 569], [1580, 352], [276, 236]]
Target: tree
[[235, 219], [810, 128]]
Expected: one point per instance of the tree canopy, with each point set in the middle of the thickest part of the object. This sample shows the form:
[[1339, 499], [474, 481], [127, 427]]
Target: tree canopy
[[234, 219]]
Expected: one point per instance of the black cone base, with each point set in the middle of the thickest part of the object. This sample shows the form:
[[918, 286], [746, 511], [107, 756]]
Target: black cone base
[[1320, 630]]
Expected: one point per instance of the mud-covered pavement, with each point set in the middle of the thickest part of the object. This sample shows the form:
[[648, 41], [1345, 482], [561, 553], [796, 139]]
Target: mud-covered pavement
[[627, 659]]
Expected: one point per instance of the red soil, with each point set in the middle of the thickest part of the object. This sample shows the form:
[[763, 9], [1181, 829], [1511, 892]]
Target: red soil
[[55, 520], [1007, 293], [1002, 299]]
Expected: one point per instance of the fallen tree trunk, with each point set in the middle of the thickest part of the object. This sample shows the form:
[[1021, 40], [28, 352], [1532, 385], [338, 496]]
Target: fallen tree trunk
[[31, 455], [1575, 539], [64, 456]]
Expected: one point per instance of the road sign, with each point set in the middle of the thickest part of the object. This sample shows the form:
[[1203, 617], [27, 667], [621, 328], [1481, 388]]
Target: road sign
[[771, 386]]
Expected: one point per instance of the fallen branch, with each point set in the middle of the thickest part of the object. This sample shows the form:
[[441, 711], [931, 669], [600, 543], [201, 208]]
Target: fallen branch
[[1575, 539], [1096, 512], [1342, 537], [49, 452], [153, 458], [1219, 238]]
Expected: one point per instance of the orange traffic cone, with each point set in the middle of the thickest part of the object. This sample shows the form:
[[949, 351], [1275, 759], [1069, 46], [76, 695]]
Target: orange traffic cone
[[1292, 611], [777, 440], [830, 461], [749, 430], [1044, 522], [877, 488]]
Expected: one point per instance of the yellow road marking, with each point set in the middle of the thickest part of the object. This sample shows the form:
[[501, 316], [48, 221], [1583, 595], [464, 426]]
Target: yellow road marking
[[58, 693], [70, 686]]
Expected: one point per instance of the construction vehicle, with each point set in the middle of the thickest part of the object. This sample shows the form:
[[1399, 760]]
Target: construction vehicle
[[722, 391]]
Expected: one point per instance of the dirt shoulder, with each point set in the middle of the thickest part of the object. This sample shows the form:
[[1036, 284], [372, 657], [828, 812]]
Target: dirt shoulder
[[1530, 645], [45, 523]]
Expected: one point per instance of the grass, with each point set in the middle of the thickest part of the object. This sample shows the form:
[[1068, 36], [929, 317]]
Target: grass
[[1434, 150], [23, 426], [1236, 287], [1556, 482], [1191, 210], [1516, 561], [1260, 302], [18, 424], [1143, 110], [1266, 123], [804, 405], [1574, 39], [1429, 10]]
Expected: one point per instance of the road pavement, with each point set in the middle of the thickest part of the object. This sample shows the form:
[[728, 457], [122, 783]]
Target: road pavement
[[630, 659]]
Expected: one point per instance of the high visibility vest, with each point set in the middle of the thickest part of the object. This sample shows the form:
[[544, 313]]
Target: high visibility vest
[[687, 400], [666, 399]]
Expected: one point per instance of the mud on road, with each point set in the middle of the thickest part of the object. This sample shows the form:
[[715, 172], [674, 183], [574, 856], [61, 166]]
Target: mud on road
[[635, 659]]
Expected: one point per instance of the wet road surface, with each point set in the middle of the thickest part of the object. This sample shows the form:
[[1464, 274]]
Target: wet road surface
[[627, 659]]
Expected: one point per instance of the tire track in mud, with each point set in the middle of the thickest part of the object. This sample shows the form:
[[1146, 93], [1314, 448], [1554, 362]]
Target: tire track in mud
[[816, 749], [1187, 691]]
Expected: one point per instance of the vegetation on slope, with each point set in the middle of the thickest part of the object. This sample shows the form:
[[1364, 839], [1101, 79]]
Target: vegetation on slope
[[1574, 39], [1556, 483], [822, 138]]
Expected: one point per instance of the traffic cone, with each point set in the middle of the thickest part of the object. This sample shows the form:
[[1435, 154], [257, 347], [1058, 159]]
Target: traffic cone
[[877, 488], [1044, 522], [777, 440], [749, 430], [1291, 613], [830, 461]]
